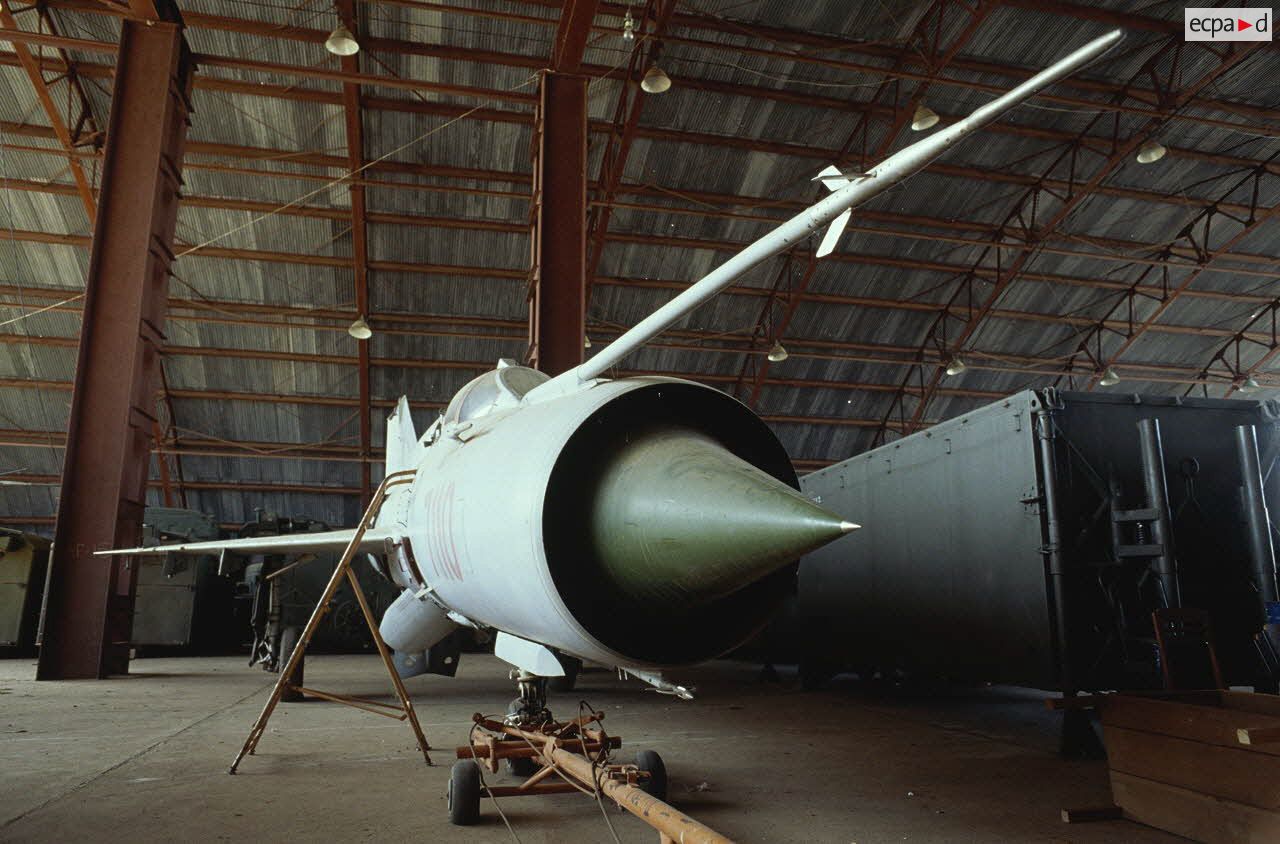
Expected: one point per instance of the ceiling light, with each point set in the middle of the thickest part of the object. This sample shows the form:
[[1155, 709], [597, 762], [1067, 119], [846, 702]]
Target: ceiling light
[[955, 366], [341, 42], [778, 354], [586, 342], [360, 329], [924, 118], [655, 81], [1110, 377], [628, 27], [1250, 385], [1151, 152]]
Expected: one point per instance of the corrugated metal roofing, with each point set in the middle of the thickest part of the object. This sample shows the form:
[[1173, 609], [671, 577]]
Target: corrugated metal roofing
[[914, 245]]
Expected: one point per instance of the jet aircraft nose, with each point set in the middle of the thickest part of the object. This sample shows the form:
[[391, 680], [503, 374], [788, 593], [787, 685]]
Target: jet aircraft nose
[[680, 520]]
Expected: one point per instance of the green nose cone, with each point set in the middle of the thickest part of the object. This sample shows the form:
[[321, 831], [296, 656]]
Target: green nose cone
[[678, 519]]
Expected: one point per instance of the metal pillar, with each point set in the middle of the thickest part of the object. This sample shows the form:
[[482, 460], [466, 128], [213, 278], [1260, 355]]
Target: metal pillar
[[1153, 480], [1261, 553], [557, 291], [1077, 738], [107, 460], [354, 123], [1055, 563]]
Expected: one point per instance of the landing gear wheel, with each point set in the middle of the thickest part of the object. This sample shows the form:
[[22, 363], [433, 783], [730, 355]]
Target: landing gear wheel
[[814, 676], [464, 793], [530, 709], [656, 784], [514, 708], [522, 767], [572, 668]]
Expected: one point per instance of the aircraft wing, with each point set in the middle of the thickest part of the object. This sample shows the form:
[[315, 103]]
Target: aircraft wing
[[289, 543]]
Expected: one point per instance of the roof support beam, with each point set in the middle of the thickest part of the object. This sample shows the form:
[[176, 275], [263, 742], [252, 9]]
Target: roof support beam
[[522, 113], [249, 314], [925, 39], [1022, 216], [558, 245], [571, 35], [907, 226], [939, 309], [354, 122], [626, 122], [794, 150], [869, 353], [482, 366], [90, 601], [832, 52], [1197, 233], [70, 140]]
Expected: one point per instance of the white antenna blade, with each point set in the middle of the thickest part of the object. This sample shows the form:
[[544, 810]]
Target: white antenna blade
[[832, 178], [832, 236]]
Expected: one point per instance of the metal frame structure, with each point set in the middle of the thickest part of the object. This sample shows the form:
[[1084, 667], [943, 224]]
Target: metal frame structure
[[1020, 227], [90, 603], [404, 711], [573, 756]]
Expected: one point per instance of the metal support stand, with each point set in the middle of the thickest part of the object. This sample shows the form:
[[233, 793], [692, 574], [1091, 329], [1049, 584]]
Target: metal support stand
[[571, 756], [402, 712]]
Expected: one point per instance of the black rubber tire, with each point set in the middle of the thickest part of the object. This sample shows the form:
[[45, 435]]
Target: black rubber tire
[[572, 668], [814, 676], [523, 767], [464, 793], [288, 641], [656, 785]]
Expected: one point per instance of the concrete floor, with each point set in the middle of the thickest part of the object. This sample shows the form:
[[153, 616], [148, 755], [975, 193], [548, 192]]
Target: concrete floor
[[144, 758]]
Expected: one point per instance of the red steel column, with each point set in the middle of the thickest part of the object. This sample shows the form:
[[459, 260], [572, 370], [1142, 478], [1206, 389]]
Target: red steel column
[[557, 310], [107, 460]]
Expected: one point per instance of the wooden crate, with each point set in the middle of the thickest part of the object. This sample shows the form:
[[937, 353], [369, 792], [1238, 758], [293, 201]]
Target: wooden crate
[[1204, 765]]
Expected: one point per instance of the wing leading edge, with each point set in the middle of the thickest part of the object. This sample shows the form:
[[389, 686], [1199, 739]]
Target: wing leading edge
[[329, 540]]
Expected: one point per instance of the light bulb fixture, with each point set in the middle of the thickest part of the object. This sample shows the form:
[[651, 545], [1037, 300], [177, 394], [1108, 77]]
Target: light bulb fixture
[[778, 354], [1109, 378], [341, 42], [1151, 152], [628, 27], [955, 366], [924, 118], [586, 342], [1249, 385], [360, 329], [655, 81]]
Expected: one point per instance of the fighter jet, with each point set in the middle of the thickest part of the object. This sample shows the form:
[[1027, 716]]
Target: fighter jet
[[644, 523]]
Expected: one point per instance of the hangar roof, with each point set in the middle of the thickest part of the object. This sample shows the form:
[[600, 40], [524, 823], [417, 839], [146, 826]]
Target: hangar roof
[[1041, 253]]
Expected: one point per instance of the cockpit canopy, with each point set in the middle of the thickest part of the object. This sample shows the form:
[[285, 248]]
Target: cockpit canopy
[[503, 387]]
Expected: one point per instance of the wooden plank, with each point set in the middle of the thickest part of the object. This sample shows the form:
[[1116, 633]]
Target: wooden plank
[[1251, 702], [1203, 697], [1191, 814], [1233, 773], [1209, 724]]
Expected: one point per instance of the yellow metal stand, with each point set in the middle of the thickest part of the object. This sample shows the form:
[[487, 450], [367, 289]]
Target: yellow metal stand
[[344, 569]]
